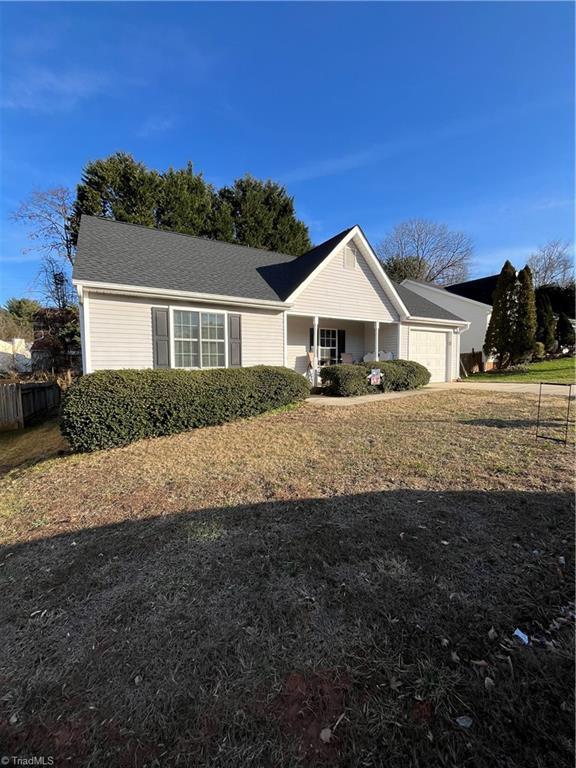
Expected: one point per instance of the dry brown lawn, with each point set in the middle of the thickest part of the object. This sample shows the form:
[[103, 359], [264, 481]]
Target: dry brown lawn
[[329, 586]]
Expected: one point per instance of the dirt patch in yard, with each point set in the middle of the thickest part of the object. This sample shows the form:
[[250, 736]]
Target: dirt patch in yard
[[306, 588]]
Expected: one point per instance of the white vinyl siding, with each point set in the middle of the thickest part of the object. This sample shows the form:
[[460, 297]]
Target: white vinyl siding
[[340, 292], [120, 331], [388, 338]]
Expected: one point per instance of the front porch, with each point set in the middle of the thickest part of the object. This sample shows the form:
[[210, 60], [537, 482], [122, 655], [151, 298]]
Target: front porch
[[315, 341]]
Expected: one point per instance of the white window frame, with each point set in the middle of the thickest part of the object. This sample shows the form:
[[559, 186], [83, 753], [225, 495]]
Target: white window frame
[[200, 310], [320, 347]]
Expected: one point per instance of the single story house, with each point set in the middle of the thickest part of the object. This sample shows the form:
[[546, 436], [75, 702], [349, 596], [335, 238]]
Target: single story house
[[152, 298], [476, 312]]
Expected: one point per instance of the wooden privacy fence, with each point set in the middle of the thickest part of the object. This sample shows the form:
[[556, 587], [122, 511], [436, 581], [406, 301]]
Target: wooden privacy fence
[[22, 404], [472, 362]]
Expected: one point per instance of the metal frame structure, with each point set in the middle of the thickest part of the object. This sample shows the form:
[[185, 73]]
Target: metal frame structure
[[567, 422]]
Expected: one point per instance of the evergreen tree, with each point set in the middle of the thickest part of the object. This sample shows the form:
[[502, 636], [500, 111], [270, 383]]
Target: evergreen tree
[[263, 216], [545, 323], [250, 212], [119, 188], [185, 202], [500, 333], [565, 331], [23, 309], [525, 321]]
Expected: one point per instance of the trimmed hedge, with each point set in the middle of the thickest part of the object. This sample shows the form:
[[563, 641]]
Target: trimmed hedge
[[351, 380], [112, 408]]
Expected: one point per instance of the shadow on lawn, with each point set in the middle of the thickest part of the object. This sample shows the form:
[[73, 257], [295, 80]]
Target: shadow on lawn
[[558, 423], [232, 637]]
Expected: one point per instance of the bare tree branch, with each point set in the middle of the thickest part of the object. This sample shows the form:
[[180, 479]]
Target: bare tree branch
[[424, 250], [552, 264], [46, 214]]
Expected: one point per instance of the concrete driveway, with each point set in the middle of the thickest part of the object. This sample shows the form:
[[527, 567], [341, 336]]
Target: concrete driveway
[[486, 386]]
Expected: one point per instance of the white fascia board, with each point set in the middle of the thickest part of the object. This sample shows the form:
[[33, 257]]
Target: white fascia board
[[444, 292], [378, 270], [156, 293], [464, 324], [373, 262]]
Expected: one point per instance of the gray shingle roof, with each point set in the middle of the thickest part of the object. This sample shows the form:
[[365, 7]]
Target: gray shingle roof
[[418, 306], [130, 254]]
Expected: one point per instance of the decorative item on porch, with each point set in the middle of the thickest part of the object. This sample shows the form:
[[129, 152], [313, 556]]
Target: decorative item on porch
[[375, 377], [310, 368]]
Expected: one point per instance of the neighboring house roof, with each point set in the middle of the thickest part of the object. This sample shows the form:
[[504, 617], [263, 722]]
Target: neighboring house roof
[[441, 289], [418, 306], [133, 255], [480, 290]]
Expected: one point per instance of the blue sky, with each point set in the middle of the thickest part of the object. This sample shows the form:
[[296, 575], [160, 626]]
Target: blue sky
[[370, 113]]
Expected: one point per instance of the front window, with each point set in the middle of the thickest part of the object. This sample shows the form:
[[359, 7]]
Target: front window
[[199, 339], [327, 346]]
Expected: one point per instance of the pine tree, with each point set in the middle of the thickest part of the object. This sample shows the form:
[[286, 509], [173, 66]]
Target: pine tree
[[184, 202], [524, 334], [500, 333], [565, 331], [545, 323], [263, 216], [119, 188], [250, 212]]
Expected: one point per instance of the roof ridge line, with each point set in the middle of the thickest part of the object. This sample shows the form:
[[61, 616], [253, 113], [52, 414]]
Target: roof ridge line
[[194, 237]]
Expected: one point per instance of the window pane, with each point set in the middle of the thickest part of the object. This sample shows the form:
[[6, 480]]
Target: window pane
[[213, 354], [212, 325], [186, 354], [185, 324]]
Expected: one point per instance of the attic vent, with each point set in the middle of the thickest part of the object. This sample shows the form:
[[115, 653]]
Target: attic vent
[[349, 257]]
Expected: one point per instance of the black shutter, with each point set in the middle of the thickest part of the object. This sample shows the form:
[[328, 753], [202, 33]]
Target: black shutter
[[341, 342], [311, 339], [161, 337], [234, 341]]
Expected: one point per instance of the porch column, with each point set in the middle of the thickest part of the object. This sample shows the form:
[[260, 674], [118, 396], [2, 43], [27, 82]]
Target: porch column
[[316, 351], [398, 354], [376, 339]]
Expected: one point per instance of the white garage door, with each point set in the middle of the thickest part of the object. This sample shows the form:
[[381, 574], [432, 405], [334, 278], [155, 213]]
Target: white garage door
[[429, 349]]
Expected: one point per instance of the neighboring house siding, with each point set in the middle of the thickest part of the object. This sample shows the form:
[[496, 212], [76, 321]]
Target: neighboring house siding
[[478, 315], [340, 292], [121, 331]]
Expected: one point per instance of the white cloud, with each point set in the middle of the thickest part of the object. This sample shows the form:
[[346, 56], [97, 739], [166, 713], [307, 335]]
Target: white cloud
[[331, 166], [154, 125], [41, 89]]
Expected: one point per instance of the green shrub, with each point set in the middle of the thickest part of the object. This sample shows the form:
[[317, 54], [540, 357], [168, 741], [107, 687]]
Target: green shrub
[[351, 380], [539, 351], [111, 408], [346, 380]]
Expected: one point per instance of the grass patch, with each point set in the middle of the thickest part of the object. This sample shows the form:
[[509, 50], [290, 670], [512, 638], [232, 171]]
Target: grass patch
[[561, 370], [312, 587], [30, 445]]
